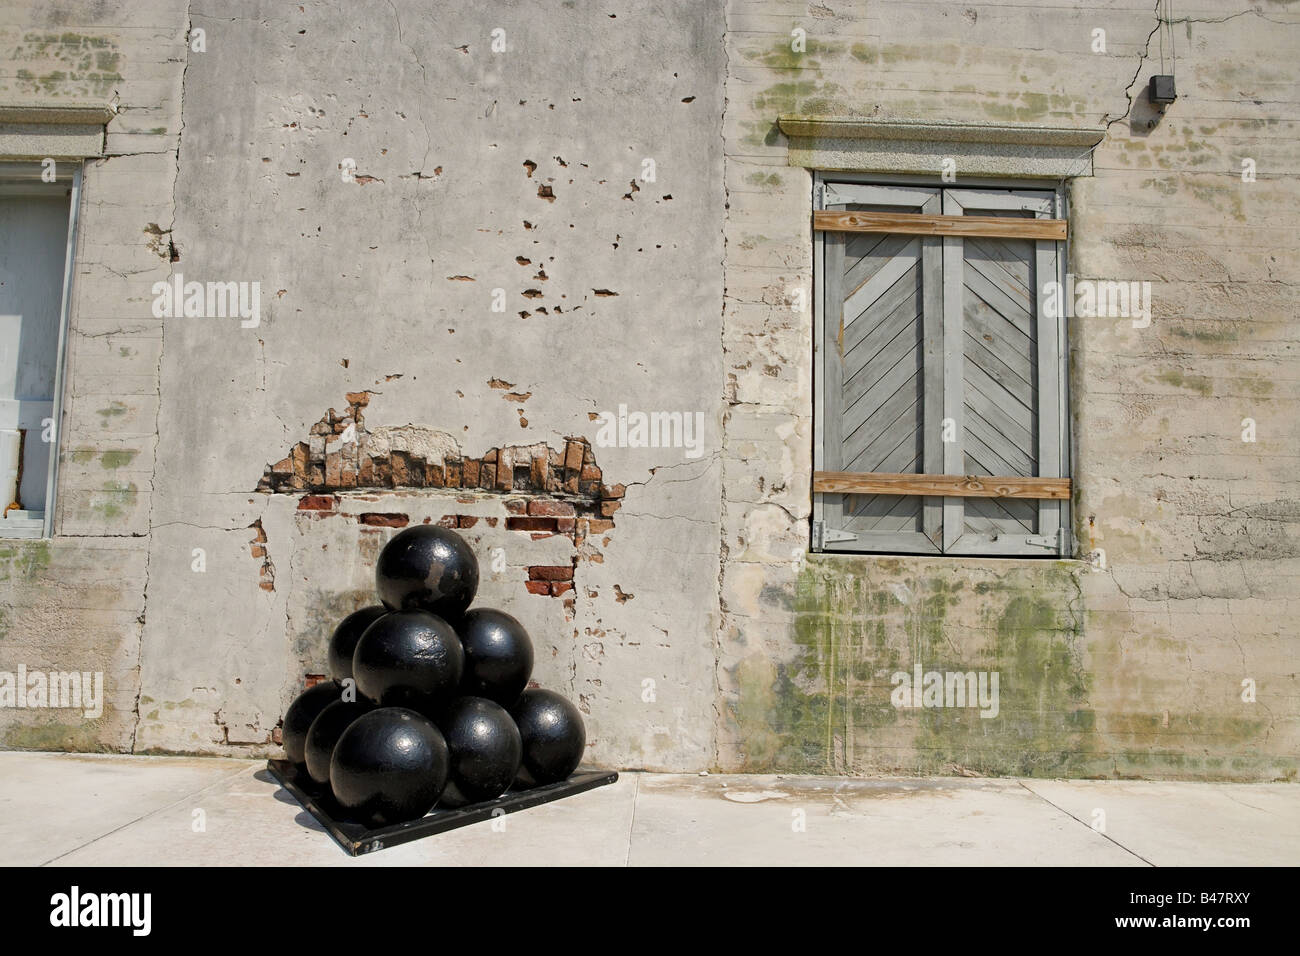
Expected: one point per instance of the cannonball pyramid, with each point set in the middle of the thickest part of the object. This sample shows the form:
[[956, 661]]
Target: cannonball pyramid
[[428, 703]]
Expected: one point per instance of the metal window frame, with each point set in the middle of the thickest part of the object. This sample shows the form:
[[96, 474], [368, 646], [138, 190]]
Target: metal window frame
[[25, 177], [824, 539]]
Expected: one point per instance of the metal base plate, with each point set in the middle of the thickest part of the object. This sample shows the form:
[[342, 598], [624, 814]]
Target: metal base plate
[[357, 838]]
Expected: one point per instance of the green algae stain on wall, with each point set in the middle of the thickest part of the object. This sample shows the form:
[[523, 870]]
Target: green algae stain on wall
[[860, 620], [1032, 637]]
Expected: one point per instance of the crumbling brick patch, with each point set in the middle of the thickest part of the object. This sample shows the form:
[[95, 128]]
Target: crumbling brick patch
[[341, 454], [546, 491], [257, 547], [384, 520]]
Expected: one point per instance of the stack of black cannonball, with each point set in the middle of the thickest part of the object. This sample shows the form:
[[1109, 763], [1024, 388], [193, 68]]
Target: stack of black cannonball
[[428, 703]]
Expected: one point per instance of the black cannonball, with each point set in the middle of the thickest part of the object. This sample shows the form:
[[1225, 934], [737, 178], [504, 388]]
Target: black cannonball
[[325, 732], [305, 708], [498, 655], [389, 766], [344, 639], [430, 568], [484, 748], [554, 738], [409, 659]]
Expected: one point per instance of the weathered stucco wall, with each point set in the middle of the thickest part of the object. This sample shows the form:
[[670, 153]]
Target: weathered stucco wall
[[77, 601], [1136, 669], [380, 176], [476, 170]]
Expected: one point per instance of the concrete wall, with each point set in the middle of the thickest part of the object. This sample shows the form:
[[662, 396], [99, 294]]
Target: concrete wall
[[380, 177], [1132, 670], [77, 601]]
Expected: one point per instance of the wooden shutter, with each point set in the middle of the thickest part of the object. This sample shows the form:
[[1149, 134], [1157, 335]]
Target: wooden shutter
[[878, 346], [1003, 378], [916, 330]]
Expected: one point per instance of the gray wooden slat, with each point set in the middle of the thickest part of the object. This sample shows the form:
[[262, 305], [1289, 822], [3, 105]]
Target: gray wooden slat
[[953, 384], [1010, 309], [871, 261], [1010, 256], [878, 379], [995, 368], [859, 244], [900, 297], [1013, 347], [1009, 417], [932, 371], [832, 369], [993, 451], [888, 368], [880, 335], [1050, 389], [882, 430], [893, 444], [856, 302]]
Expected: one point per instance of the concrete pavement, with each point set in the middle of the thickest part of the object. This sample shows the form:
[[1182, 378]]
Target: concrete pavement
[[90, 810]]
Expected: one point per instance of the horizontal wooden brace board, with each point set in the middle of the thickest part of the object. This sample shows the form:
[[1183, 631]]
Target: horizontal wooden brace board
[[944, 486], [916, 224]]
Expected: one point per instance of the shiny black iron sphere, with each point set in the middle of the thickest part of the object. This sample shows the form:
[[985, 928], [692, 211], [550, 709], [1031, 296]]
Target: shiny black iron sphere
[[430, 568], [484, 748], [325, 732], [305, 708], [389, 766], [553, 735], [343, 642], [409, 659], [498, 655]]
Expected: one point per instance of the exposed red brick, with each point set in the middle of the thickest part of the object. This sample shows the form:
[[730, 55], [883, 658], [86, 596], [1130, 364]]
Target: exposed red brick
[[598, 525], [573, 456], [492, 522], [538, 587], [471, 466], [453, 467], [266, 585], [551, 572], [607, 508], [301, 456], [514, 523], [466, 521], [400, 464], [487, 474], [559, 587], [385, 520], [313, 679], [282, 467], [567, 525], [415, 471], [258, 550], [317, 503], [277, 735], [447, 521], [616, 491], [590, 473], [358, 398], [505, 471], [333, 469], [516, 506], [547, 507], [539, 470], [434, 476]]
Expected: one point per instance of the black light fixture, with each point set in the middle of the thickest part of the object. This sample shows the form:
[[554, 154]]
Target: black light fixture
[[1161, 90]]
